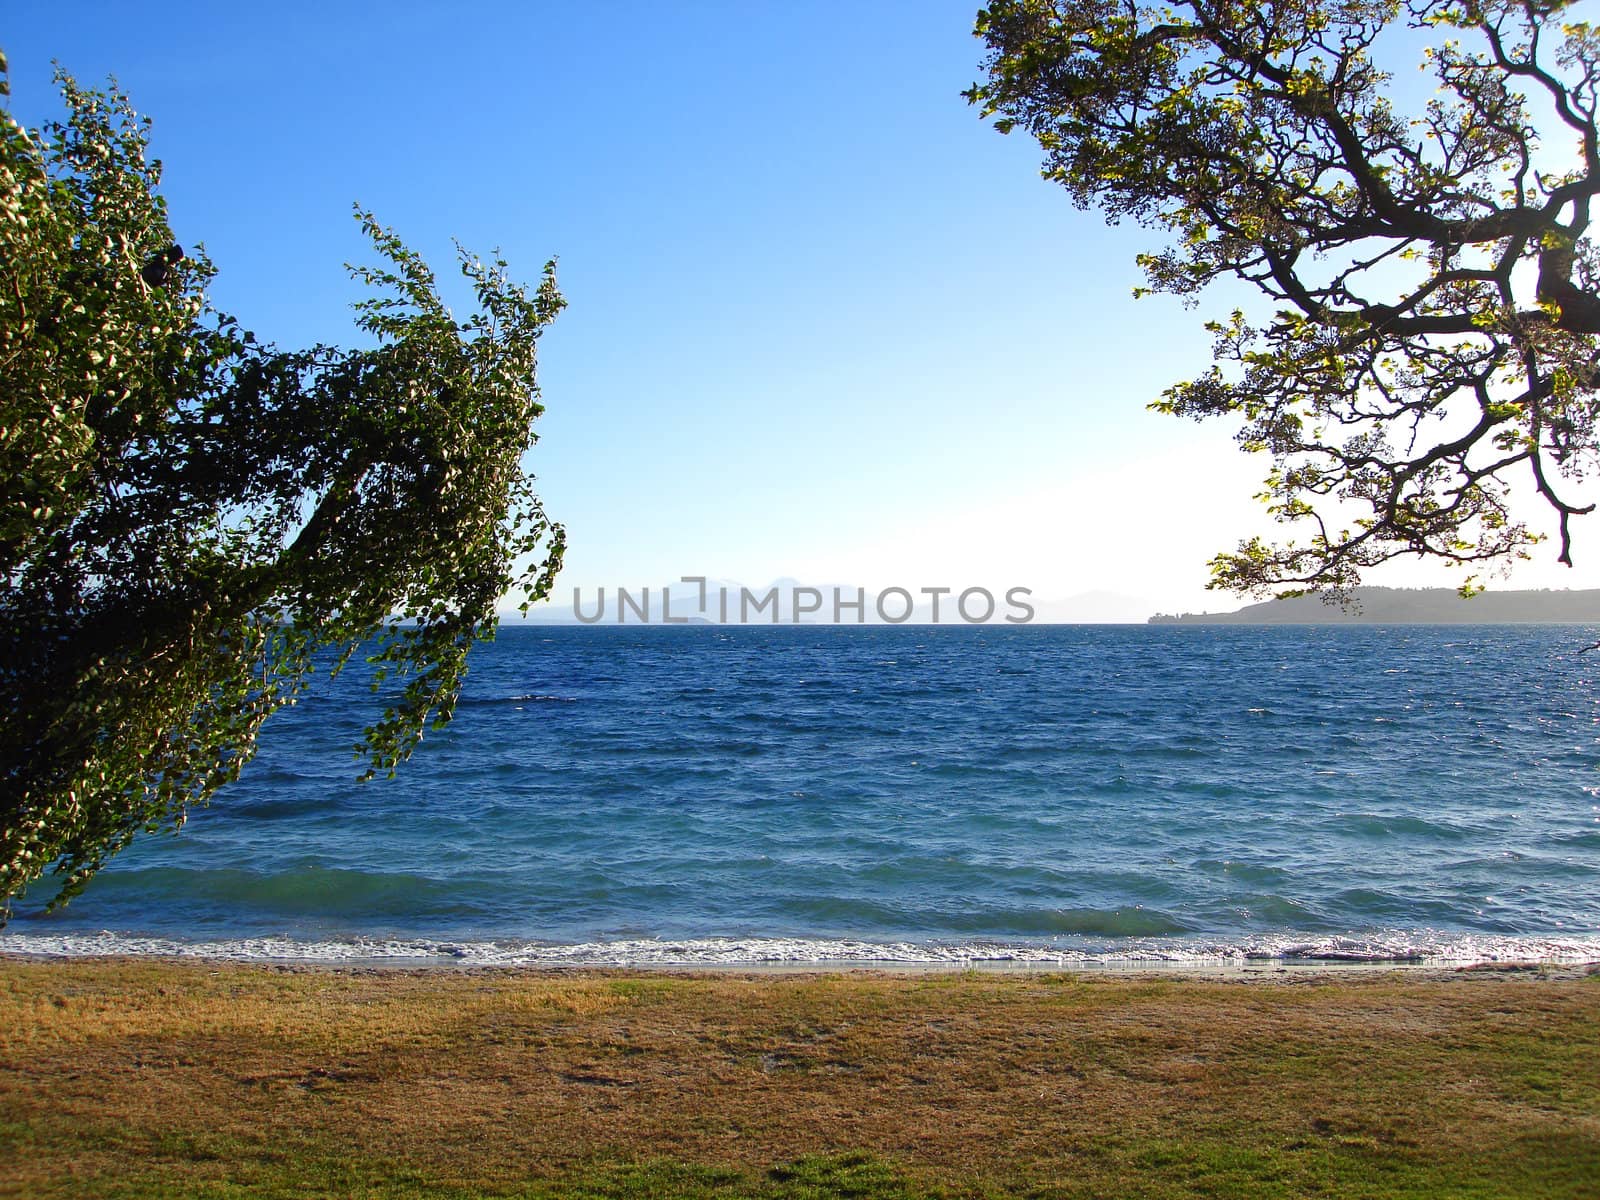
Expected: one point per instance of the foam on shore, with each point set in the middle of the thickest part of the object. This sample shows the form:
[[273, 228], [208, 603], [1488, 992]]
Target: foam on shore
[[1396, 948]]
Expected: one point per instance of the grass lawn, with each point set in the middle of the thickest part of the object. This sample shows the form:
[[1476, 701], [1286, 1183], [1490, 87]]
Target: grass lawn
[[150, 1079]]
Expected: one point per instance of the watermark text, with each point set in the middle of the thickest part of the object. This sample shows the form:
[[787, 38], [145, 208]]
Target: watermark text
[[799, 605]]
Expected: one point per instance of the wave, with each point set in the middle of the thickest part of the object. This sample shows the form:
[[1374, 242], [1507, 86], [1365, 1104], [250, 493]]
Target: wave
[[530, 698], [1423, 948]]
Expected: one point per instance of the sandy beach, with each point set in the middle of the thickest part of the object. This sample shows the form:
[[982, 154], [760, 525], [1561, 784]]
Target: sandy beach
[[140, 1077]]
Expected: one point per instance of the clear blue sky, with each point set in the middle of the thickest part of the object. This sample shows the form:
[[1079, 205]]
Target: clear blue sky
[[824, 322]]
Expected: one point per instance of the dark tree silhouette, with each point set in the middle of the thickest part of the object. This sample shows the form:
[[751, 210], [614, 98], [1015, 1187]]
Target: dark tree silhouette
[[159, 266]]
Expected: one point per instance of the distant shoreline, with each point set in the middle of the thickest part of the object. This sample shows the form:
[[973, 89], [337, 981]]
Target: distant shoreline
[[1410, 606]]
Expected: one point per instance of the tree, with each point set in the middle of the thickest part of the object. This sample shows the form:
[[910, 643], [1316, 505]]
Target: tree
[[193, 522], [1436, 291]]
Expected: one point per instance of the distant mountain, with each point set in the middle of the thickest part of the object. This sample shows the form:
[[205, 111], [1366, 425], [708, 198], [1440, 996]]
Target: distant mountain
[[1409, 606]]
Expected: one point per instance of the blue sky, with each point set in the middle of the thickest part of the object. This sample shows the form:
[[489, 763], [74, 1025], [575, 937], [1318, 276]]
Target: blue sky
[[824, 322]]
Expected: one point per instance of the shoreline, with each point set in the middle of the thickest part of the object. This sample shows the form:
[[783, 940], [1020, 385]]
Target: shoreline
[[1286, 950], [1266, 958], [1245, 971]]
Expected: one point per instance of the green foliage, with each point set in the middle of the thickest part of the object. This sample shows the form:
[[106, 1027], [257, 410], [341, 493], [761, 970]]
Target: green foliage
[[1434, 290], [191, 520]]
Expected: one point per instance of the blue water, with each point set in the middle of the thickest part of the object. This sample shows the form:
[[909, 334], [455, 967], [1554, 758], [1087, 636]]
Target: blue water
[[802, 793]]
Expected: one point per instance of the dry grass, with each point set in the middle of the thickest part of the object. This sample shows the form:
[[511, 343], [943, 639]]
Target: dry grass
[[140, 1078]]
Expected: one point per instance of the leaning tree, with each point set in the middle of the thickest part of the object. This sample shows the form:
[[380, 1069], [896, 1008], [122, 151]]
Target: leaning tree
[[192, 522], [1430, 291]]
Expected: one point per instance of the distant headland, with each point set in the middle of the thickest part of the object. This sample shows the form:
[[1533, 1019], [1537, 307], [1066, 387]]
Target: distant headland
[[1414, 606]]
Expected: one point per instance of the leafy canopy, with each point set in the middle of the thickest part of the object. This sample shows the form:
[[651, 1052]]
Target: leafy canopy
[[1435, 291], [191, 520]]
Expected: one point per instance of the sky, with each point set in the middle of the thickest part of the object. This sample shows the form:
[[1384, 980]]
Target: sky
[[824, 323]]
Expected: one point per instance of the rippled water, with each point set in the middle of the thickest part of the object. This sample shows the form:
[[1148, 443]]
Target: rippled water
[[744, 794]]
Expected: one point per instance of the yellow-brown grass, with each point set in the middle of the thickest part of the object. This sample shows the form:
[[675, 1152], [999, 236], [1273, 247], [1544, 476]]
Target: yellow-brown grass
[[147, 1078]]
